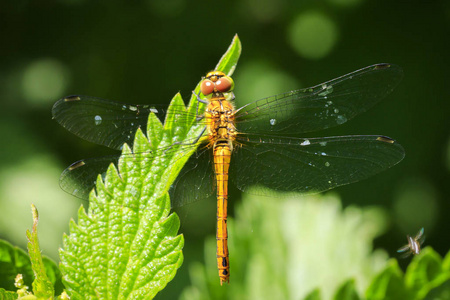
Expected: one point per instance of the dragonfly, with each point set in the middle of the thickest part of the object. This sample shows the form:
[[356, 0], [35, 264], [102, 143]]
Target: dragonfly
[[251, 145], [414, 244]]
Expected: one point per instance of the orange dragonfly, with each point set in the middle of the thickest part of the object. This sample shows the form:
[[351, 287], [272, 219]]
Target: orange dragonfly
[[249, 144], [414, 244]]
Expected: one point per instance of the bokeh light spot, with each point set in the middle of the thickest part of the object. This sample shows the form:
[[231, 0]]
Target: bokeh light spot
[[415, 205], [259, 79], [265, 10], [44, 80], [313, 35], [34, 180]]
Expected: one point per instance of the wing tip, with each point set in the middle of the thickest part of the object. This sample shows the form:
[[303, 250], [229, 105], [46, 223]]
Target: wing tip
[[382, 66], [76, 165], [393, 67], [386, 139], [56, 107], [71, 98]]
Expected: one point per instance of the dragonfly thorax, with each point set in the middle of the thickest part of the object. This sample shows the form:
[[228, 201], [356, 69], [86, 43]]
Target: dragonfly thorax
[[220, 121]]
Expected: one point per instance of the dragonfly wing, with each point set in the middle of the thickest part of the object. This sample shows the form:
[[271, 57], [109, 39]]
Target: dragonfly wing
[[310, 165], [406, 254], [80, 177], [421, 240], [192, 183], [419, 234], [195, 180], [105, 122], [404, 248], [326, 105]]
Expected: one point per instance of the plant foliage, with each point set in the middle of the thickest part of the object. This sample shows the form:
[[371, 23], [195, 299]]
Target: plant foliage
[[126, 245], [310, 248], [41, 269]]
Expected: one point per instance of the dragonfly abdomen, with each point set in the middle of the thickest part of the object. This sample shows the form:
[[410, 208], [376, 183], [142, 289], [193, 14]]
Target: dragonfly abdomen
[[222, 155]]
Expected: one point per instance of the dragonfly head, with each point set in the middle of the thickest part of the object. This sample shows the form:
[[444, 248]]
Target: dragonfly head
[[216, 82]]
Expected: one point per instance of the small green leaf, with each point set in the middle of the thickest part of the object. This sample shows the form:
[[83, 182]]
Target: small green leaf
[[388, 284], [42, 286], [7, 295], [314, 295], [126, 245], [54, 274], [422, 270], [228, 62], [285, 246], [347, 291], [441, 291], [446, 262], [426, 274], [13, 261]]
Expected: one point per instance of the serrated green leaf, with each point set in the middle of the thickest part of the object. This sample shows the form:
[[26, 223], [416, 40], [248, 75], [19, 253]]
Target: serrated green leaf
[[126, 245], [388, 284], [446, 262], [286, 246], [228, 62], [42, 286], [314, 295], [441, 291], [53, 274], [422, 270], [426, 274], [13, 261], [154, 130], [7, 295], [347, 291]]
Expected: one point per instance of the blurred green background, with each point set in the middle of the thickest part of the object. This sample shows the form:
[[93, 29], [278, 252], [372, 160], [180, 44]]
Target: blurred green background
[[146, 51]]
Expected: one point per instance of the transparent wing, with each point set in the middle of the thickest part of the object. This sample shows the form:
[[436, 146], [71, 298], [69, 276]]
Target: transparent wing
[[80, 177], [329, 104], [310, 165], [106, 122], [420, 238], [406, 253], [404, 249], [193, 183], [325, 105]]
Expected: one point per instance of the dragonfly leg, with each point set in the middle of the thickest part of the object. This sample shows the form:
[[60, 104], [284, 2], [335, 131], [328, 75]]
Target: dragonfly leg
[[198, 137], [199, 100], [187, 144]]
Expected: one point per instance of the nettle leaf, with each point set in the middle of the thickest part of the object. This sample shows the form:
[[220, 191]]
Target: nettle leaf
[[7, 295], [14, 260], [423, 270], [388, 284], [126, 244], [347, 291], [426, 274], [446, 262], [314, 295], [293, 247], [42, 286]]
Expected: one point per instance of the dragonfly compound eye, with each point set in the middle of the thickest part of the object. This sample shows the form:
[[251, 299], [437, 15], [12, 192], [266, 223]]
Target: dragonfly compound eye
[[207, 87], [224, 84]]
